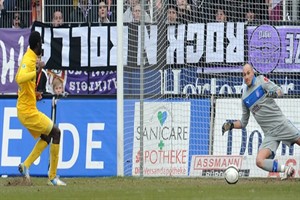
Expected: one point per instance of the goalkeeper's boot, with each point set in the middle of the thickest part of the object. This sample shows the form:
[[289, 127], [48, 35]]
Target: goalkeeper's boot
[[24, 170], [56, 182], [288, 172]]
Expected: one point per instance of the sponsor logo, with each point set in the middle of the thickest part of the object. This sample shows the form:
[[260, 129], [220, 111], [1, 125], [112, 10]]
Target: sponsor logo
[[216, 162], [264, 48], [220, 173]]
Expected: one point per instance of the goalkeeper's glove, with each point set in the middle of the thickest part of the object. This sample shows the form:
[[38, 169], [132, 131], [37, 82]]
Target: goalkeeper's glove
[[272, 94], [227, 126]]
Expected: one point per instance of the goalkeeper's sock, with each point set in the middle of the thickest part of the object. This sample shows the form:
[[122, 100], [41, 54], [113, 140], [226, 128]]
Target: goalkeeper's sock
[[54, 150], [273, 166], [36, 152]]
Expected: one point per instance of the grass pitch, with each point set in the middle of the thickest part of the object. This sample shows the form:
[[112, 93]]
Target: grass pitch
[[150, 188]]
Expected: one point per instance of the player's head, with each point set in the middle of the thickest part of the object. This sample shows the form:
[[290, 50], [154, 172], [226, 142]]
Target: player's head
[[35, 42], [248, 74]]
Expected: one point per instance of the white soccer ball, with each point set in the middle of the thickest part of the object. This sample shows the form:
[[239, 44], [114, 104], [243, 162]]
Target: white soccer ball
[[231, 174]]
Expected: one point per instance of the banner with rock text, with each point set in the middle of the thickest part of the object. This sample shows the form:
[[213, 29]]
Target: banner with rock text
[[210, 48]]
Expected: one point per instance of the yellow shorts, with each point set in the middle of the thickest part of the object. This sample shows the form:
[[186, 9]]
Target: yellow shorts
[[36, 122]]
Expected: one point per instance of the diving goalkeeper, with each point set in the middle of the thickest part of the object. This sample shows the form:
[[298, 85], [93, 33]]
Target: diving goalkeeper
[[37, 123], [258, 98]]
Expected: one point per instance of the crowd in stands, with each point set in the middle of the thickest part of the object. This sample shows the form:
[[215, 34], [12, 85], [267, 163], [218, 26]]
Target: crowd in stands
[[19, 13]]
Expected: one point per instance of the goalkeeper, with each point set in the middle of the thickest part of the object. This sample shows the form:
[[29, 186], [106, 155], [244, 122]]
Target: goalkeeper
[[37, 123], [258, 97]]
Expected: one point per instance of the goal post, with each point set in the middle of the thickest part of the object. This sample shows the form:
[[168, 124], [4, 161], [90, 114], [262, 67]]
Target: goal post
[[182, 79]]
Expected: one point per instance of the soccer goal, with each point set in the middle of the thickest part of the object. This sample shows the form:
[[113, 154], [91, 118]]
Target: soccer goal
[[182, 79]]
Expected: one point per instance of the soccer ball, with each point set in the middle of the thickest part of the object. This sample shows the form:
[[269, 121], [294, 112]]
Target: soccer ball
[[231, 174]]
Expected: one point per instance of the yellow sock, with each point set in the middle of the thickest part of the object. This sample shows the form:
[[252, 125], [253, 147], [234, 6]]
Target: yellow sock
[[54, 150], [36, 152]]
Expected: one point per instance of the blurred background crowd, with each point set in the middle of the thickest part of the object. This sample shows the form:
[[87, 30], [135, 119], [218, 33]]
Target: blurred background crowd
[[21, 13]]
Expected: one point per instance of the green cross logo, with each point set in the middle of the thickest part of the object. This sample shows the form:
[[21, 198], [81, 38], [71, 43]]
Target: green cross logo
[[161, 145]]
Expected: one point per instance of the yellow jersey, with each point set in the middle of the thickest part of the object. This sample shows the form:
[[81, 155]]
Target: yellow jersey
[[26, 80]]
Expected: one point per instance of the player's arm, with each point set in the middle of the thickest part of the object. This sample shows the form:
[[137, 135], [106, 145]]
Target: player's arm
[[272, 90], [24, 74], [238, 124]]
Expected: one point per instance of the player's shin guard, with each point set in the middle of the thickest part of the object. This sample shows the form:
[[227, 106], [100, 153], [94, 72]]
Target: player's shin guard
[[54, 151], [36, 152]]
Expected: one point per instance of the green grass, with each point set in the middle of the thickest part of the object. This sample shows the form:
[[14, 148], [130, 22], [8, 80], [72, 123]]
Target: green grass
[[152, 188]]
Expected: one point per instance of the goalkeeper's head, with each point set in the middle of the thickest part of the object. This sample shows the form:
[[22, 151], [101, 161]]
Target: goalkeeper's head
[[248, 74]]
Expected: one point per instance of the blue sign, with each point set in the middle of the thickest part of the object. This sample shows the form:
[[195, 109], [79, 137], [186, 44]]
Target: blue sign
[[88, 138], [16, 142]]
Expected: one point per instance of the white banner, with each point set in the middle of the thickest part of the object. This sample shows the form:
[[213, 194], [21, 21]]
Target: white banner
[[90, 47], [166, 131]]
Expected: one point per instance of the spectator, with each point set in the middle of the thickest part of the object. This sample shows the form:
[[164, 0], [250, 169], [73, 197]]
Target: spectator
[[136, 13], [128, 14], [10, 4], [203, 10], [260, 7], [184, 11], [171, 14], [16, 21], [3, 15], [220, 15], [24, 7], [102, 13], [57, 19], [276, 11], [52, 74], [234, 10], [83, 13], [249, 16], [58, 86]]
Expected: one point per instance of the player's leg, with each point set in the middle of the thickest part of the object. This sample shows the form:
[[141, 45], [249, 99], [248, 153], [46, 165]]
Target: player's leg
[[289, 134], [298, 142], [36, 123], [39, 147], [54, 152], [265, 158]]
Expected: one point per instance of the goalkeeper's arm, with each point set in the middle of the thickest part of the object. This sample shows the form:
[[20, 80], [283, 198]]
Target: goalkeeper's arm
[[274, 93], [231, 125]]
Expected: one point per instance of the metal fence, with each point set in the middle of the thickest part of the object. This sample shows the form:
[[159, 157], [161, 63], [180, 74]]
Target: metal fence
[[24, 12], [21, 13], [78, 11]]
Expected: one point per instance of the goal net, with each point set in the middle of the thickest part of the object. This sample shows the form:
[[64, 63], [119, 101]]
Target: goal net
[[183, 79]]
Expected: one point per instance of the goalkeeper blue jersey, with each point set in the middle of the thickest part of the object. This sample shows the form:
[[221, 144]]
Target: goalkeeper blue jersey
[[264, 109]]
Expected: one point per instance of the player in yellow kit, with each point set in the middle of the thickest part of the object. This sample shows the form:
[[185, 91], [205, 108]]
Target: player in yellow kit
[[37, 123]]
